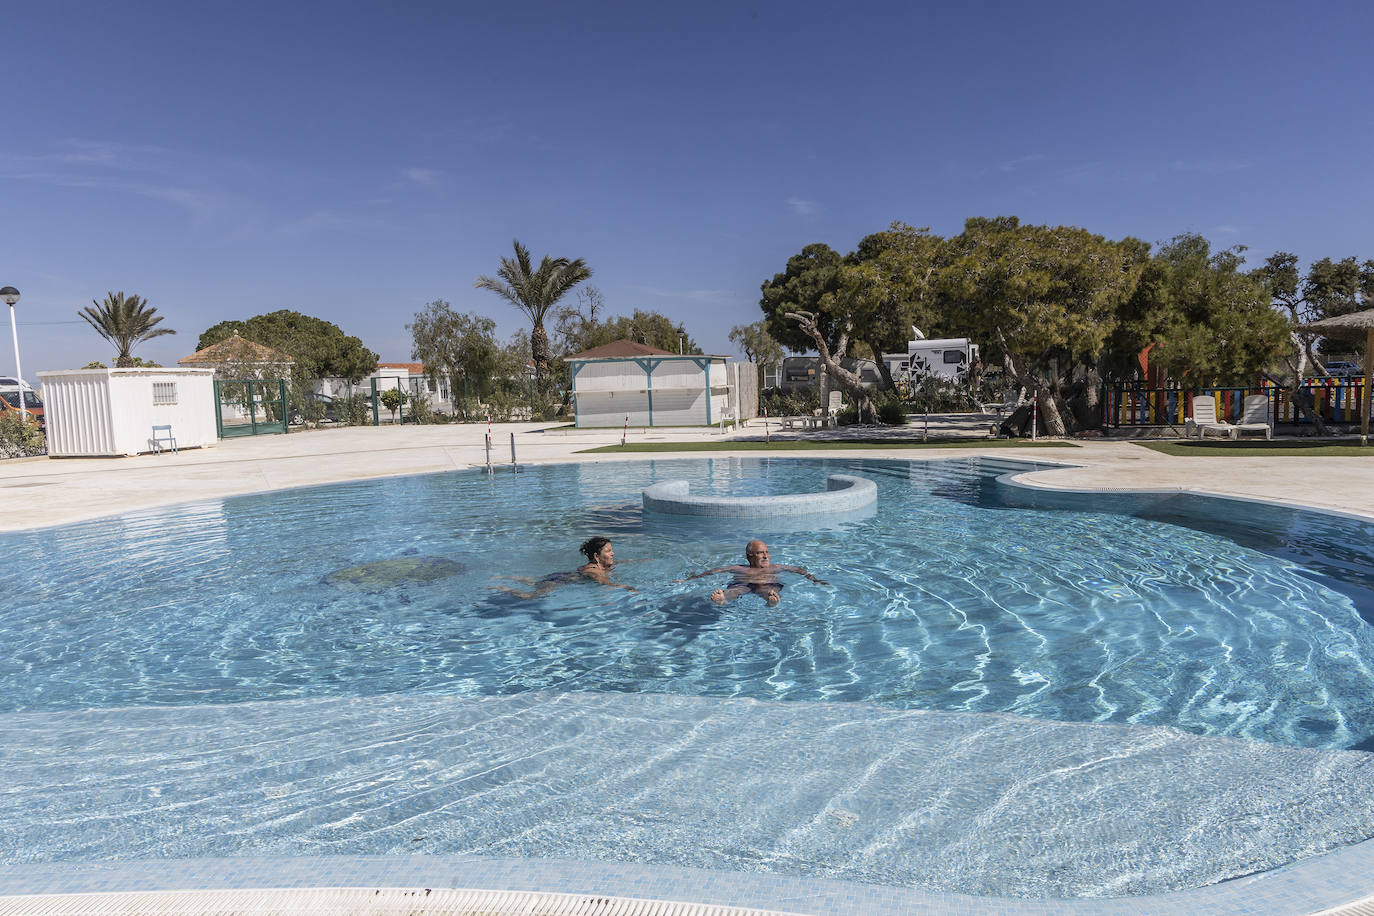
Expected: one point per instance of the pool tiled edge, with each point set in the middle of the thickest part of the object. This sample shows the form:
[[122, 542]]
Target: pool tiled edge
[[1325, 882], [843, 493]]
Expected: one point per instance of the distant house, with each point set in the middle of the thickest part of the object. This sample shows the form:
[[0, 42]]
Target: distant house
[[651, 387], [410, 378]]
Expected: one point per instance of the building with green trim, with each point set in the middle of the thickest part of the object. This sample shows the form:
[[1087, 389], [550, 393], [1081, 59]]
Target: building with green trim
[[627, 382]]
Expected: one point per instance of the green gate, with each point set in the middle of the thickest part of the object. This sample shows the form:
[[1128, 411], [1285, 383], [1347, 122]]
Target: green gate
[[250, 407]]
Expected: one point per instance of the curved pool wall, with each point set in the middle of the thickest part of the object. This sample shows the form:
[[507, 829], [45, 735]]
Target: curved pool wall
[[843, 493], [233, 783]]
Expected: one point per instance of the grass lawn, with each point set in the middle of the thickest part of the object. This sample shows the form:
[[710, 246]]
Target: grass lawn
[[819, 445], [1297, 448]]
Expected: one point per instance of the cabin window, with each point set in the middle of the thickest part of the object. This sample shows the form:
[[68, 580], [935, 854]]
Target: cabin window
[[164, 393], [955, 356]]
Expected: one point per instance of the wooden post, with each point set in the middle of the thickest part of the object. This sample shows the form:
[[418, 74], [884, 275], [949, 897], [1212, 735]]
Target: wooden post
[[1364, 403]]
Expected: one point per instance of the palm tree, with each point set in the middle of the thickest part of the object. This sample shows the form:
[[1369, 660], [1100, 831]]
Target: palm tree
[[535, 292], [124, 321]]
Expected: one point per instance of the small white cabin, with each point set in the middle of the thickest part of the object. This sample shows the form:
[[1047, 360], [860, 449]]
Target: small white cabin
[[96, 412], [651, 387], [944, 357]]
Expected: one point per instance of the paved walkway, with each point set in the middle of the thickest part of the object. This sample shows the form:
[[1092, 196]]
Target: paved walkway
[[38, 492]]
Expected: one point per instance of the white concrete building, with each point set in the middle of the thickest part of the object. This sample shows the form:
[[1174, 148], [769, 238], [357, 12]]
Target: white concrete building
[[93, 412], [651, 387], [410, 378]]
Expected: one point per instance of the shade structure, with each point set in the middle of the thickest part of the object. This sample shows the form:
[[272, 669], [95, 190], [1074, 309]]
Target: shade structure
[[1353, 326]]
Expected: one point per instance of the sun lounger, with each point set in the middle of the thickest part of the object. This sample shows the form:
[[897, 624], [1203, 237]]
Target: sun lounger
[[1204, 419], [1254, 417]]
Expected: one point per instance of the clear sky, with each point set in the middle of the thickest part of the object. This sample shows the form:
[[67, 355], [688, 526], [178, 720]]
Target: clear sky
[[354, 161]]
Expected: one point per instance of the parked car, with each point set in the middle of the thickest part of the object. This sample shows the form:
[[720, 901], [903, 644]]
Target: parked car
[[9, 400], [332, 409], [1338, 368]]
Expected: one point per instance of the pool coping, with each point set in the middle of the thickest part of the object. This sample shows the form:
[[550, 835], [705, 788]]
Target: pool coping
[[1329, 883], [842, 493], [1318, 883]]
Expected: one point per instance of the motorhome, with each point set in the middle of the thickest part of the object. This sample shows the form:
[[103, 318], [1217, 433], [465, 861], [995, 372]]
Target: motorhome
[[943, 357], [805, 371]]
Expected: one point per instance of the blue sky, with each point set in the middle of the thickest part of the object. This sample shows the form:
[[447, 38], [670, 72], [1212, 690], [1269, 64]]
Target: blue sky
[[354, 161]]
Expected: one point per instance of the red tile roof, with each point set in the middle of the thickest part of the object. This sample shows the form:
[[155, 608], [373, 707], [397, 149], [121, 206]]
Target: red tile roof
[[416, 368], [623, 348], [235, 349]]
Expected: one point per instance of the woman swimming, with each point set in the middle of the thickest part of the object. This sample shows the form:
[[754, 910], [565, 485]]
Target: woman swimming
[[600, 560]]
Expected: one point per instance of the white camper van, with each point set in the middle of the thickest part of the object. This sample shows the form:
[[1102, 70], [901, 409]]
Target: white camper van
[[944, 357]]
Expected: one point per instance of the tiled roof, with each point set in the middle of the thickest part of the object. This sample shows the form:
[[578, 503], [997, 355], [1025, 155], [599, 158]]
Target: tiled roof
[[413, 368], [621, 349], [234, 349]]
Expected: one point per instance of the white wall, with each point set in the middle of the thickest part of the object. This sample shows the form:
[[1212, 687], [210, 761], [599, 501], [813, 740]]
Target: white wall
[[111, 411], [609, 408], [607, 391], [609, 376]]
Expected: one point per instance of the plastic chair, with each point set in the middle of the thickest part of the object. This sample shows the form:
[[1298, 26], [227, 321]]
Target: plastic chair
[[163, 438]]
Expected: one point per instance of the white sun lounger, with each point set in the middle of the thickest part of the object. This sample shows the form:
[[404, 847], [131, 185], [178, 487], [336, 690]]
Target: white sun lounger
[[1254, 418], [1204, 419]]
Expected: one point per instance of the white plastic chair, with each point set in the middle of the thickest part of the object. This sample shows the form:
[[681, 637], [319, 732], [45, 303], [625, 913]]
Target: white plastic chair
[[163, 438]]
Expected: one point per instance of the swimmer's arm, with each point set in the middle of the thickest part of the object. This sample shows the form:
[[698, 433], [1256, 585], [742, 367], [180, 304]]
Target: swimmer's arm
[[599, 575], [801, 571], [710, 572]]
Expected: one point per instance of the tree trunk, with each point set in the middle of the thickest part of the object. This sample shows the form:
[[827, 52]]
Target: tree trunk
[[539, 355], [1297, 395], [1050, 413], [847, 381], [883, 371]]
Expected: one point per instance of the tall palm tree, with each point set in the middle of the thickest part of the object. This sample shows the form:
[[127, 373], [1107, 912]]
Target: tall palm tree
[[124, 321], [535, 292]]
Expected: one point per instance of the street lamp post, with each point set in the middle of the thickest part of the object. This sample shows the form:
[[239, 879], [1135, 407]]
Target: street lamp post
[[11, 296]]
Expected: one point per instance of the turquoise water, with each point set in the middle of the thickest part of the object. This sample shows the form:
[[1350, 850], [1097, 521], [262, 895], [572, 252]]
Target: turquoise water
[[990, 678], [945, 599]]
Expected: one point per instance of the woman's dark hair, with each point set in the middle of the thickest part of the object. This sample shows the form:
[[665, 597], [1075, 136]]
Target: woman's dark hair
[[592, 547]]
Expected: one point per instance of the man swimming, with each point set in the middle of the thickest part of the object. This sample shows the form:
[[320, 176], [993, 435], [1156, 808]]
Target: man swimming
[[760, 577]]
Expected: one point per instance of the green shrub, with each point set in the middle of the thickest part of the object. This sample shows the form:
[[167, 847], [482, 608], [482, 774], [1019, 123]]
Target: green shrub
[[358, 410], [938, 395], [892, 414], [20, 438], [797, 404], [420, 410], [313, 410]]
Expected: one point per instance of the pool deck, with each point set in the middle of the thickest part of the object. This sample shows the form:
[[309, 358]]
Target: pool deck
[[40, 492]]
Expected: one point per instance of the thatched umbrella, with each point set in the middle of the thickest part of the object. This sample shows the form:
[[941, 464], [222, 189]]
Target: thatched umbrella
[[1354, 326]]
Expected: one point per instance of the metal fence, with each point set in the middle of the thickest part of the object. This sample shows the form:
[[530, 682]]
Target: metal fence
[[250, 407], [1334, 400]]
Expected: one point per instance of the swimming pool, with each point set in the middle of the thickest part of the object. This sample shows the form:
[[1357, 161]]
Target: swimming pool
[[991, 678]]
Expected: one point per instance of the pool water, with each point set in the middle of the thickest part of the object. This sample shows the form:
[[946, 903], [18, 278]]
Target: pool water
[[1157, 625]]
